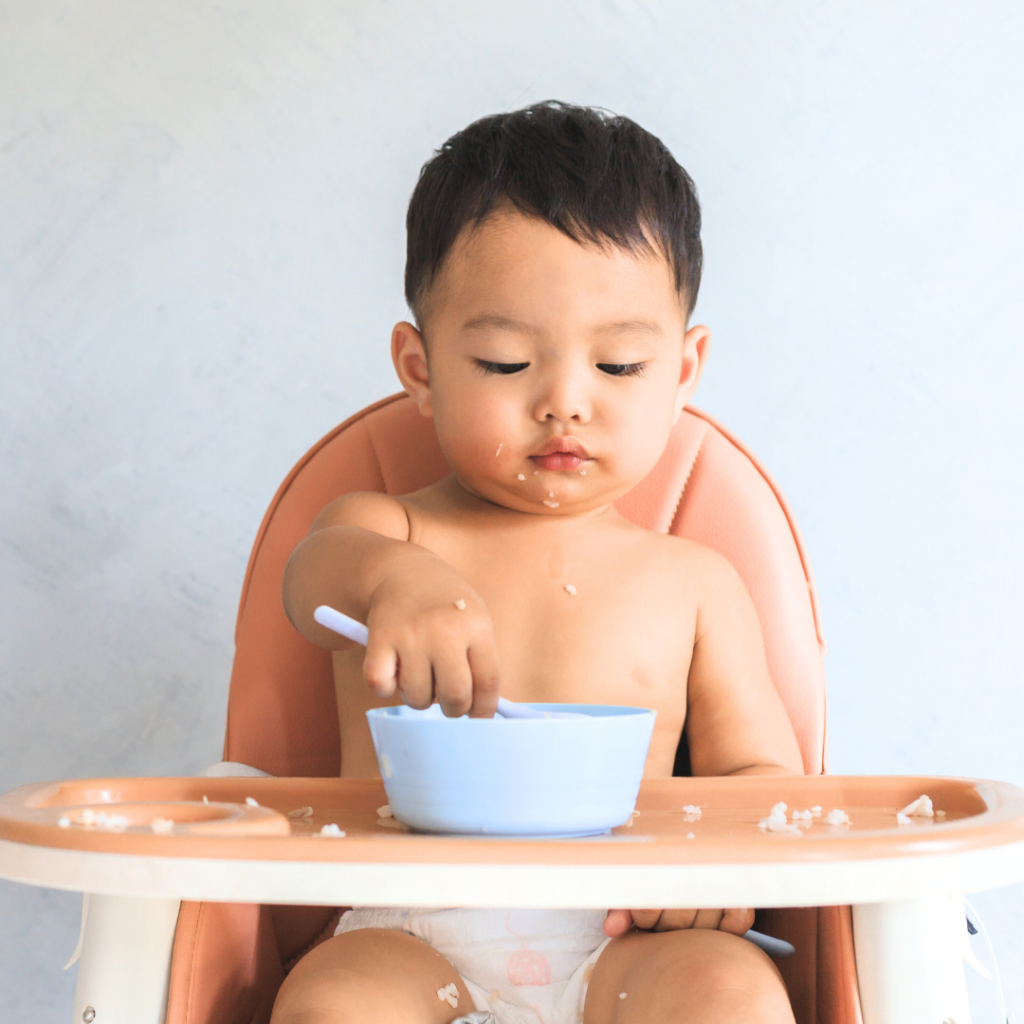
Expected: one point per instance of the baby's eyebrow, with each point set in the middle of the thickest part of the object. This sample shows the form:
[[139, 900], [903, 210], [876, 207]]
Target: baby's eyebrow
[[637, 326], [501, 323]]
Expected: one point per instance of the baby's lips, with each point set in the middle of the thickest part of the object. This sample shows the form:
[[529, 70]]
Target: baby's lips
[[557, 461]]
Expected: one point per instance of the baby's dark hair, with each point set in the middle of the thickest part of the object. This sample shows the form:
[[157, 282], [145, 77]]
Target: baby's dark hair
[[595, 176]]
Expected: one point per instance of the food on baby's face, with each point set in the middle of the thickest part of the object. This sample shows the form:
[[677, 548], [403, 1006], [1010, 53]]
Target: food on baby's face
[[250, 802], [550, 504], [520, 477], [460, 604], [570, 589], [498, 452]]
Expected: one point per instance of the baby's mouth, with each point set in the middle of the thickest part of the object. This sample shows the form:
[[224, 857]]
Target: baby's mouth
[[559, 454], [557, 461]]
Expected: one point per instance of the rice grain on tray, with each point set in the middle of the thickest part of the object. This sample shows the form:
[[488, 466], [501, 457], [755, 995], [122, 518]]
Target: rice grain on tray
[[837, 817], [331, 831], [776, 821]]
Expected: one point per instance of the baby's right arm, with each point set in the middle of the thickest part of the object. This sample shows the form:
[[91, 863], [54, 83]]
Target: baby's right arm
[[431, 636]]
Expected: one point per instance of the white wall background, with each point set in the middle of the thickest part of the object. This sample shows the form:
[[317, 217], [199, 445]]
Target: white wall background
[[201, 251]]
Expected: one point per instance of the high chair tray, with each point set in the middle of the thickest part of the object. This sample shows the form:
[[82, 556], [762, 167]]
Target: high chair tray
[[219, 847]]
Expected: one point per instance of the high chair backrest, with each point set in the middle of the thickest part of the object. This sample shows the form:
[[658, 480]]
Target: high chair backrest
[[282, 715]]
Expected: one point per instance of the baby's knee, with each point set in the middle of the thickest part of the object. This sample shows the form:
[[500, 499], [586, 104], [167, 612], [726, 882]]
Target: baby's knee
[[731, 979], [371, 976]]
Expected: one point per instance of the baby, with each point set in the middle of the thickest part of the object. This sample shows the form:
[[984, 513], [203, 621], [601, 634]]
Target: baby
[[554, 259]]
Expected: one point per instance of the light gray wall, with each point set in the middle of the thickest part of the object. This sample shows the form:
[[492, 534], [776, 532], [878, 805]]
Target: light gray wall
[[201, 248]]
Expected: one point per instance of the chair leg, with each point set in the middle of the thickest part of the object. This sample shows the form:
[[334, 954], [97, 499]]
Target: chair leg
[[125, 962], [909, 961]]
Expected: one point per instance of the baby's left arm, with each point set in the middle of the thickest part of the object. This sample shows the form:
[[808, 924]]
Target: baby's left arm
[[736, 723]]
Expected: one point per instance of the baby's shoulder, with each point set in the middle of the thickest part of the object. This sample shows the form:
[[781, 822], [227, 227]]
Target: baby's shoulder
[[695, 566], [371, 510]]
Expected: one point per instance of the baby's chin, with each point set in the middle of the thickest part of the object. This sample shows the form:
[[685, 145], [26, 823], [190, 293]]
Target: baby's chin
[[547, 494]]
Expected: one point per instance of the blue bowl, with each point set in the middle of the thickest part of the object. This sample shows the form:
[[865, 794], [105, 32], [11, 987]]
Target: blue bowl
[[512, 777]]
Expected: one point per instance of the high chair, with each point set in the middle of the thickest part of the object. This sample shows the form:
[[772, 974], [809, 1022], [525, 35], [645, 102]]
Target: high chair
[[282, 717], [149, 958]]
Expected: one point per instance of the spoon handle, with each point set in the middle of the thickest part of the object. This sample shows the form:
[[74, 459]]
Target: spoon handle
[[341, 623]]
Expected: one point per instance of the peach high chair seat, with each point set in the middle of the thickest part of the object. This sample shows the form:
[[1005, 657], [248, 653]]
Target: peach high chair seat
[[230, 959]]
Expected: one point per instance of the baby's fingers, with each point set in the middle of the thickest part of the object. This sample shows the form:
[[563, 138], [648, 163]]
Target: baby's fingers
[[453, 683], [380, 668], [736, 921], [483, 664]]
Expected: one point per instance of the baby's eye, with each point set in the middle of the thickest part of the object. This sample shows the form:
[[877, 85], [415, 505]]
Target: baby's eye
[[623, 369], [488, 367]]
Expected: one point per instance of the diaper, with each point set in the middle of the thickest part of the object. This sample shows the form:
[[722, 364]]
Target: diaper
[[524, 966]]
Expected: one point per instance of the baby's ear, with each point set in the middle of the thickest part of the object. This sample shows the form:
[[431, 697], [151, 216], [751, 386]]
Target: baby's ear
[[409, 355], [696, 344]]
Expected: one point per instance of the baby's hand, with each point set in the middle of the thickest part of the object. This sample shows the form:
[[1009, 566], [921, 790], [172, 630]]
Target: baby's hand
[[432, 639], [737, 922]]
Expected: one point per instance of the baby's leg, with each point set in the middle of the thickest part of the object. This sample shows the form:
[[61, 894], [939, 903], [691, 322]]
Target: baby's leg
[[696, 976], [370, 976]]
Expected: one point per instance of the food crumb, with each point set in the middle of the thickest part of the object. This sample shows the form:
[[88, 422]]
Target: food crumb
[[536, 471], [837, 817], [919, 808], [301, 812], [776, 821], [902, 819], [460, 604], [331, 831], [816, 810], [691, 835], [570, 589], [583, 472], [500, 446], [622, 995], [692, 812], [449, 994], [64, 821], [385, 811], [802, 815], [206, 799], [520, 477], [550, 504], [161, 826], [250, 802]]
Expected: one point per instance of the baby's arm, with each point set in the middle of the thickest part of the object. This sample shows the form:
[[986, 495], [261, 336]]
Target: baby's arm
[[431, 636], [736, 723]]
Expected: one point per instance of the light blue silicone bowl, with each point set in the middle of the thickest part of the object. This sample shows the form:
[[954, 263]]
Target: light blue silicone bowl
[[512, 777]]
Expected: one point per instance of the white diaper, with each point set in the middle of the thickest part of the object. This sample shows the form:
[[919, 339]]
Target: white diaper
[[524, 966]]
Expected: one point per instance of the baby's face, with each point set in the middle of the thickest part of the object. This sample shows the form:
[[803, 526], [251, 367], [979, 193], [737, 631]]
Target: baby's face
[[553, 371]]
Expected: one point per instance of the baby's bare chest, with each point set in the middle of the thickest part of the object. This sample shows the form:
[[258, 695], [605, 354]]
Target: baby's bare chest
[[580, 617]]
